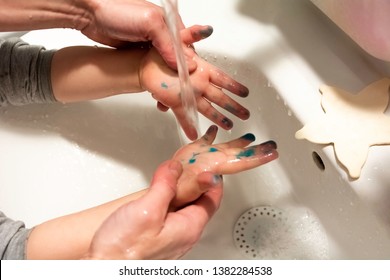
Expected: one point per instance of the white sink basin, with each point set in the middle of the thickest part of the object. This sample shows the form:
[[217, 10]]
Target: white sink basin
[[58, 159]]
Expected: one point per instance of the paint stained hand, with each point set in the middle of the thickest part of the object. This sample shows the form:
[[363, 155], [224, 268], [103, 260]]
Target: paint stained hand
[[225, 158], [208, 83]]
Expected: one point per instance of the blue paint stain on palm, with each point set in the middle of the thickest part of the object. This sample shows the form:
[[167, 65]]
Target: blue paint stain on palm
[[193, 159], [213, 150], [246, 153], [164, 85]]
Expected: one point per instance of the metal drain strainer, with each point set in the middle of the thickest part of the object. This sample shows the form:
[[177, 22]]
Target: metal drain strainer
[[267, 232], [258, 231]]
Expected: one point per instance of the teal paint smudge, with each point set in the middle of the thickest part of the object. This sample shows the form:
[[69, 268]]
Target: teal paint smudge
[[230, 108], [204, 33], [246, 153], [213, 150], [164, 85], [193, 159], [249, 137], [227, 122]]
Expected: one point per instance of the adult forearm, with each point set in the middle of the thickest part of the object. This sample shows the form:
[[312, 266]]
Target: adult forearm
[[69, 237], [22, 15], [86, 73]]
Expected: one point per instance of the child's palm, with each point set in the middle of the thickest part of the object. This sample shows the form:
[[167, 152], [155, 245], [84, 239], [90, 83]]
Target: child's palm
[[207, 82], [225, 158]]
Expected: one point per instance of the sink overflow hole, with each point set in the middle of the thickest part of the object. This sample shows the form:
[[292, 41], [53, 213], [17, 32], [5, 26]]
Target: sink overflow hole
[[318, 161]]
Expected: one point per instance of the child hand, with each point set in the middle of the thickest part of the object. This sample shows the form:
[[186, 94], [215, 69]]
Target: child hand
[[225, 158], [207, 81]]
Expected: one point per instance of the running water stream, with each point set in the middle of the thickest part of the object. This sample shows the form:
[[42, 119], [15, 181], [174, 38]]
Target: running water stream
[[186, 90]]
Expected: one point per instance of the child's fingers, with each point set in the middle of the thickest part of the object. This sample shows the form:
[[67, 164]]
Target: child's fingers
[[162, 107], [217, 96], [241, 142], [207, 110], [221, 79], [188, 128], [244, 159], [209, 137]]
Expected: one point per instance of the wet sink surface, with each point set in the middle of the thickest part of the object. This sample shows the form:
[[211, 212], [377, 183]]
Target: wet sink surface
[[78, 155]]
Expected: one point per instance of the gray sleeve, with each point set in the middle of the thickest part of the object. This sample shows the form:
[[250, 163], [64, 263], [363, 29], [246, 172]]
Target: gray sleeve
[[13, 239], [24, 73]]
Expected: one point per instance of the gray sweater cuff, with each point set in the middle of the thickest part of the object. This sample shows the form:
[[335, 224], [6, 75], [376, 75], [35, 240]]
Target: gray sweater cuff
[[25, 73], [13, 239]]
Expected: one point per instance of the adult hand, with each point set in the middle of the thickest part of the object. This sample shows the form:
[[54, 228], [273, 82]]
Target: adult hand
[[147, 229], [226, 158], [118, 22]]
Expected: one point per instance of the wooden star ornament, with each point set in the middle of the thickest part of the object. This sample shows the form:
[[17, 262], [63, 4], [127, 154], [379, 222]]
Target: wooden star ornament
[[352, 122]]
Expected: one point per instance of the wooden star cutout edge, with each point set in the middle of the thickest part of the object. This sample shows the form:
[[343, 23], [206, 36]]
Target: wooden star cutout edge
[[352, 123]]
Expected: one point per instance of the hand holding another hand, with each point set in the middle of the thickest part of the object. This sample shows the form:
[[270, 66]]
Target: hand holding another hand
[[169, 218], [147, 229]]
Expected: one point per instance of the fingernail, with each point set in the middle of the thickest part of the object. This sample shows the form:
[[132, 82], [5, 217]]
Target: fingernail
[[228, 123], [249, 137], [217, 179], [272, 144], [211, 129], [268, 148], [204, 33], [244, 92], [245, 113]]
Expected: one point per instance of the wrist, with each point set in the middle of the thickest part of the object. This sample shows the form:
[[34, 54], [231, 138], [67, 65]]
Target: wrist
[[75, 14], [21, 15], [83, 12]]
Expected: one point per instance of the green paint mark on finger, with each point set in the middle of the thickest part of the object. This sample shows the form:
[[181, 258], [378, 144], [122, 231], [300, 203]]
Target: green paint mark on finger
[[246, 153]]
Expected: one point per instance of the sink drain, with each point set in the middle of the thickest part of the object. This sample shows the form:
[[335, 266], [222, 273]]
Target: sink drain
[[267, 232], [256, 228]]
